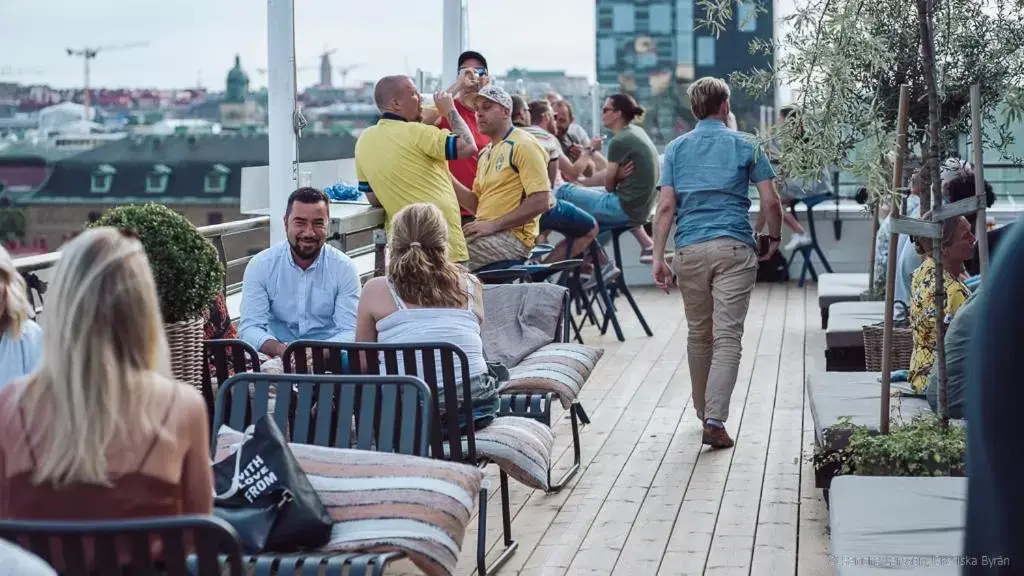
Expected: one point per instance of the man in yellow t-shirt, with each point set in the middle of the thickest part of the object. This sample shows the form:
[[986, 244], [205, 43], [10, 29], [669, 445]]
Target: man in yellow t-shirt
[[401, 161], [511, 189]]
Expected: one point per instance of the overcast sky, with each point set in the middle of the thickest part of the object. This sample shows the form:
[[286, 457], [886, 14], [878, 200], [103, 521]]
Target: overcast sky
[[198, 39]]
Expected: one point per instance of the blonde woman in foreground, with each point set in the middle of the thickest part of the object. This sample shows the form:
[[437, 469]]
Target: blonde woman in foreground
[[20, 337], [99, 430]]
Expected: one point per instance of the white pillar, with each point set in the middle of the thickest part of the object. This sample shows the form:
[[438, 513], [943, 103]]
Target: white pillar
[[454, 39], [596, 102], [283, 177]]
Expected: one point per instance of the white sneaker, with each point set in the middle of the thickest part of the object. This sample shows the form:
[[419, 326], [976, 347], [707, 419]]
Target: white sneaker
[[798, 241]]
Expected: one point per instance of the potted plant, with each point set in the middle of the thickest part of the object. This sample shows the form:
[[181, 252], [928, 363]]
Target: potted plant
[[187, 272], [921, 447]]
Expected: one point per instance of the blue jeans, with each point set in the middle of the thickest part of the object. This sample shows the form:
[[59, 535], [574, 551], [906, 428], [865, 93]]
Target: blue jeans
[[598, 202], [568, 219]]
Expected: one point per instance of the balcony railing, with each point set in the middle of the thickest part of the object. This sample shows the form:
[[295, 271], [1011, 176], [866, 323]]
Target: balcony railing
[[358, 232]]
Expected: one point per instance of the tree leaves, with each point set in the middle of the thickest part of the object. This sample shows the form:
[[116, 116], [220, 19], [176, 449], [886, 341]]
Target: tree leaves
[[846, 59]]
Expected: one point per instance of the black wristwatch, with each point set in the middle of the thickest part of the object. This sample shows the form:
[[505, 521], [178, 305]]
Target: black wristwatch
[[774, 238]]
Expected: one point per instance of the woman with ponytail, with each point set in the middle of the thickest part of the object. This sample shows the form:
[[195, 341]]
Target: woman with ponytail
[[425, 297]]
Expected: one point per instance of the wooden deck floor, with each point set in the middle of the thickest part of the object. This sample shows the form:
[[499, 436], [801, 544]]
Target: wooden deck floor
[[649, 499]]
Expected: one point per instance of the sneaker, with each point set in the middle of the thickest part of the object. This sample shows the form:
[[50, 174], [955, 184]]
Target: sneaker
[[716, 436], [610, 273], [798, 241], [647, 256]]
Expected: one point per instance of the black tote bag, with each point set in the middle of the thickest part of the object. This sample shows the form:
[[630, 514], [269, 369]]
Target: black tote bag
[[261, 491]]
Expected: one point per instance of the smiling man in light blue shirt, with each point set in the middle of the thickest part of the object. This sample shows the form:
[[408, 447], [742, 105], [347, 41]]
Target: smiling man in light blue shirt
[[301, 289]]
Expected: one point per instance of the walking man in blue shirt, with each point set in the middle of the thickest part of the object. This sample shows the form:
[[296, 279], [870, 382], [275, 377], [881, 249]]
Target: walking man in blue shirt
[[705, 176]]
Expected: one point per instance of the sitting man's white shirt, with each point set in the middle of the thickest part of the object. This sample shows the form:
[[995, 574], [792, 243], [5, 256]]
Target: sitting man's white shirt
[[296, 291]]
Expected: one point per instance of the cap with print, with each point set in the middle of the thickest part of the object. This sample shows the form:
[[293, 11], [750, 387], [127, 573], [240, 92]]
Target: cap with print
[[496, 95]]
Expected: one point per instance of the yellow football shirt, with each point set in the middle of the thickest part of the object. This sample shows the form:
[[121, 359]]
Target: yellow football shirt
[[405, 163], [508, 171]]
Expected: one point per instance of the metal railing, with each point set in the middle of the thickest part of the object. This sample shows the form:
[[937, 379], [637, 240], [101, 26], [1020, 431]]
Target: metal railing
[[32, 268], [360, 222]]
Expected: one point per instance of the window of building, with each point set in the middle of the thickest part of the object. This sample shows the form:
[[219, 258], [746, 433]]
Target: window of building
[[216, 180], [746, 16], [606, 53], [157, 178], [623, 18], [214, 218], [684, 48], [660, 17], [102, 178], [640, 19], [705, 51], [684, 16], [604, 18]]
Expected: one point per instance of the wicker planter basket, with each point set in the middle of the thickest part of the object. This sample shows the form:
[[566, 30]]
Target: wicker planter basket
[[902, 348], [185, 341]]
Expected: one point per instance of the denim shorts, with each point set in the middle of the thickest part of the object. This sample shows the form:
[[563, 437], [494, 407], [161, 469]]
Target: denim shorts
[[568, 219], [598, 202]]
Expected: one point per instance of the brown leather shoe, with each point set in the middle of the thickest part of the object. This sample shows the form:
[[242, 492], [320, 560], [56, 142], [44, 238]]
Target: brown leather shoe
[[716, 436]]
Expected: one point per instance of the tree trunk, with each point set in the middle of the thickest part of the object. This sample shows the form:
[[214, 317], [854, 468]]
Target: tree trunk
[[930, 172]]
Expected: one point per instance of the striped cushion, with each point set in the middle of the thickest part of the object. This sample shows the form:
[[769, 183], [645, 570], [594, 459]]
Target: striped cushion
[[561, 368], [383, 502], [519, 446]]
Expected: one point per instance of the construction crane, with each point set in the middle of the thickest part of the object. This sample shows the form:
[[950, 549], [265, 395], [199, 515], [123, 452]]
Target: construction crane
[[344, 70], [89, 53]]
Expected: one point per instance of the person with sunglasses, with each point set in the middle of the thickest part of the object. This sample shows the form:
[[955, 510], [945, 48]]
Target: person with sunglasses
[[472, 77]]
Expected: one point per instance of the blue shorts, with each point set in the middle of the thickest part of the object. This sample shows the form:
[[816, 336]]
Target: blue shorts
[[598, 202], [568, 220]]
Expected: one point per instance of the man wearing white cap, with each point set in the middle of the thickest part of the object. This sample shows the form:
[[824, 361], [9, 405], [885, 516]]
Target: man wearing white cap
[[511, 188]]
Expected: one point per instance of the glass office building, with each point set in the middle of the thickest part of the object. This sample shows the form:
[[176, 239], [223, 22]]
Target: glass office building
[[654, 49]]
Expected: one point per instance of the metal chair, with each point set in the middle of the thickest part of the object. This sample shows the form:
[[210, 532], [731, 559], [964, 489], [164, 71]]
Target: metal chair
[[379, 413], [448, 439], [808, 251], [224, 358], [85, 548]]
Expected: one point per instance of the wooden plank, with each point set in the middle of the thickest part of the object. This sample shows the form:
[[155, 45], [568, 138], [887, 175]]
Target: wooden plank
[[969, 205], [613, 385], [812, 543], [915, 227], [775, 539], [690, 543], [736, 526]]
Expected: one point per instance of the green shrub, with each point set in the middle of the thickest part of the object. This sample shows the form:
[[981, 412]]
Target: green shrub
[[185, 265], [921, 447]]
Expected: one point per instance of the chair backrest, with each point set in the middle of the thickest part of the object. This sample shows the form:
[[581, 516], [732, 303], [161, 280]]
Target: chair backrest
[[367, 358], [380, 413], [221, 360], [83, 548]]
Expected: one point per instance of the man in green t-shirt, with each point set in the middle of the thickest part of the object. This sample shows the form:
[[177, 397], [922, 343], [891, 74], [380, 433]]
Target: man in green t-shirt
[[626, 188]]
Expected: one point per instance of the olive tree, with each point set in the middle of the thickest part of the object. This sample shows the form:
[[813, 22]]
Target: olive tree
[[846, 59]]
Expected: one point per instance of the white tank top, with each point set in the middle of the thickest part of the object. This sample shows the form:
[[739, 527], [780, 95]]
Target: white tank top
[[458, 326]]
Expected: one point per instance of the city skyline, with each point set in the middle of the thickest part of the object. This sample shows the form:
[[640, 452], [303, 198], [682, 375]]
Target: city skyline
[[183, 50]]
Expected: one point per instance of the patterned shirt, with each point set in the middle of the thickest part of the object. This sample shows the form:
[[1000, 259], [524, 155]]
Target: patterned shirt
[[922, 318]]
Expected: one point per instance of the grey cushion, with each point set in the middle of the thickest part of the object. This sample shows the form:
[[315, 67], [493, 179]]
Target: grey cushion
[[846, 321], [882, 524], [834, 288], [857, 395]]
